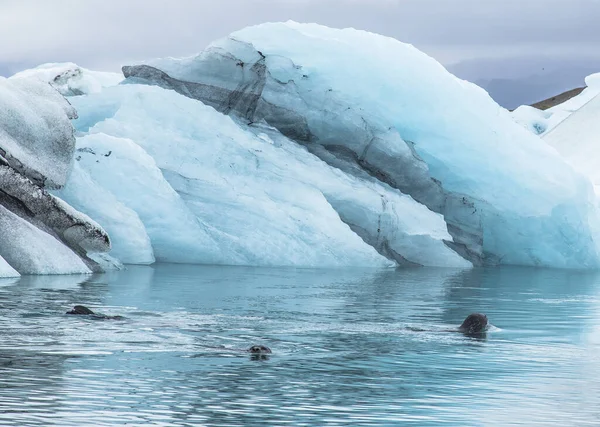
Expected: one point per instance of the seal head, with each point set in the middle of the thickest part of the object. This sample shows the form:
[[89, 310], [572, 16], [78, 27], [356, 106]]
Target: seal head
[[259, 349], [474, 324], [81, 310], [84, 311]]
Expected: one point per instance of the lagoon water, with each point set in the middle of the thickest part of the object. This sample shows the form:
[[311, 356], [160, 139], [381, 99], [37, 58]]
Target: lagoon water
[[346, 350]]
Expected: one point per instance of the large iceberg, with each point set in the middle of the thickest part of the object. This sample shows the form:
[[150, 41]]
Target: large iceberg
[[369, 105], [285, 145], [212, 190]]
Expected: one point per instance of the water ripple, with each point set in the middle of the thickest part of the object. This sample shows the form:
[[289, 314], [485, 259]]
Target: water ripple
[[351, 347]]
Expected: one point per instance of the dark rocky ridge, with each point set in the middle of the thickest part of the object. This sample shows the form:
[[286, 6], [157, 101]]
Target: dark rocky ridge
[[557, 99]]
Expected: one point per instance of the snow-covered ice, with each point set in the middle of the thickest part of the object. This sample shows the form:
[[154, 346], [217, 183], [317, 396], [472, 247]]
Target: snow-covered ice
[[70, 79], [577, 139], [36, 136], [532, 119]]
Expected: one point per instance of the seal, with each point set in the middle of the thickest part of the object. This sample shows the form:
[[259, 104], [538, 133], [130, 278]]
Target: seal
[[81, 310], [474, 324], [259, 349]]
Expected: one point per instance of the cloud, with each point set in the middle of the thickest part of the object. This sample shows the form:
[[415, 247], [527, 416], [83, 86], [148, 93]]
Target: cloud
[[104, 34]]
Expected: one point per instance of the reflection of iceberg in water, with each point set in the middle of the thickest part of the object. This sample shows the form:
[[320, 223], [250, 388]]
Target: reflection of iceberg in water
[[8, 281], [71, 281]]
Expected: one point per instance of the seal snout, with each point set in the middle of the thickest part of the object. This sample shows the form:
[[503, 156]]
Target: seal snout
[[474, 324], [259, 349]]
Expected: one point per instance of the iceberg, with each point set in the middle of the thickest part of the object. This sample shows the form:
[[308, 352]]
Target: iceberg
[[41, 234], [70, 79], [369, 105], [229, 193]]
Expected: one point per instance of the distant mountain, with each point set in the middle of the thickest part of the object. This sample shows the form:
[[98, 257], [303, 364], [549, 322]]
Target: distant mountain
[[524, 81], [557, 99]]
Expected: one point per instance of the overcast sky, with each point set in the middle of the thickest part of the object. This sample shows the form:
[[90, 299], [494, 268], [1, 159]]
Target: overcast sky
[[105, 34]]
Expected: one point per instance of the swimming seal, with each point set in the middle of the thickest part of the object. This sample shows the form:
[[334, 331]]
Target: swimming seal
[[259, 349], [80, 309], [259, 352], [84, 311], [474, 324]]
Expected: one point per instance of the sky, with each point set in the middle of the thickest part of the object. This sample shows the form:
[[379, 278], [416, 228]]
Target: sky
[[512, 46]]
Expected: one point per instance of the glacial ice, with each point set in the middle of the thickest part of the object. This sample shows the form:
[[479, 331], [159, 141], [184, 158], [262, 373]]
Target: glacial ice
[[256, 197], [6, 270], [122, 167], [130, 241], [370, 104], [30, 250], [300, 146], [577, 139], [36, 136], [70, 79], [532, 119]]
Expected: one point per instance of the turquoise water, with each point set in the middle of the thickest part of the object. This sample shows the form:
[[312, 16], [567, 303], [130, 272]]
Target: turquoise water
[[344, 352]]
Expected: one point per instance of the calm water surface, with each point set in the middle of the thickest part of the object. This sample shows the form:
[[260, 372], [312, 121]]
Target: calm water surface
[[344, 353]]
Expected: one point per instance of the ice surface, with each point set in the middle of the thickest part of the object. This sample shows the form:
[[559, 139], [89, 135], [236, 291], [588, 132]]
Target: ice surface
[[354, 97], [6, 270], [577, 139], [130, 241], [70, 79], [36, 136], [29, 250], [75, 229], [532, 119], [258, 198], [122, 167]]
